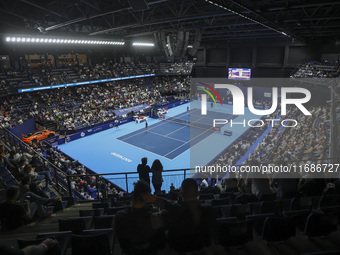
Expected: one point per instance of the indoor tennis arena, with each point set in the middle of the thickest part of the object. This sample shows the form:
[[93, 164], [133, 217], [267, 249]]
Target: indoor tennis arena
[[145, 127]]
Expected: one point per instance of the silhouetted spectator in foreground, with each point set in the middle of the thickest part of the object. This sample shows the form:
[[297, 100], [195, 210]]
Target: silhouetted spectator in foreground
[[12, 213], [157, 179], [138, 229], [144, 170], [39, 249], [258, 181], [191, 223]]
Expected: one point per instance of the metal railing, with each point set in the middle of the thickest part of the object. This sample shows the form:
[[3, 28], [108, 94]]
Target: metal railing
[[126, 180], [13, 141]]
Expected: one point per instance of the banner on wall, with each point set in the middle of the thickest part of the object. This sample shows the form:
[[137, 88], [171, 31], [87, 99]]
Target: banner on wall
[[85, 83], [25, 128], [89, 131], [93, 130], [137, 108]]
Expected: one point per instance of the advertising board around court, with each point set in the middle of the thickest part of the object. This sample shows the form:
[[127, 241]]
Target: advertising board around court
[[98, 128]]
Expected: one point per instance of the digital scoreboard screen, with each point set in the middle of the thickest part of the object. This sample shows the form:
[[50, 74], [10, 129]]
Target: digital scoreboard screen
[[239, 73]]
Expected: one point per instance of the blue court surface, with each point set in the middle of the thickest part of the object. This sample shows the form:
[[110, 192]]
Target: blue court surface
[[177, 146], [171, 137]]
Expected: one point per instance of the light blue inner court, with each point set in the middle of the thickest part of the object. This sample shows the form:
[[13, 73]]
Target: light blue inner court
[[174, 135], [110, 151]]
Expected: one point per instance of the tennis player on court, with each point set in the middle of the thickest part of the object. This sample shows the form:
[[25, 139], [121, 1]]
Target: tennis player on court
[[146, 126]]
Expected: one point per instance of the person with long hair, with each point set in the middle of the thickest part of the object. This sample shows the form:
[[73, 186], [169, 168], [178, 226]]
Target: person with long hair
[[157, 179]]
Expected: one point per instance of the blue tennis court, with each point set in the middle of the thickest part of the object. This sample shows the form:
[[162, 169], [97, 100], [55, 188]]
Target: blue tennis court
[[174, 135], [120, 150]]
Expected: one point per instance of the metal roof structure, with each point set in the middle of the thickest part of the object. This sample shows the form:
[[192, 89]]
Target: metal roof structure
[[216, 20]]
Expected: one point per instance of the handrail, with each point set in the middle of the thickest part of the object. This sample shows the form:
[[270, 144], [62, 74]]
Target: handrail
[[164, 171], [187, 169], [55, 168]]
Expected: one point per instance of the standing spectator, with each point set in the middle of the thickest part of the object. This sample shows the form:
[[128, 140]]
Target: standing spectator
[[144, 170], [157, 179]]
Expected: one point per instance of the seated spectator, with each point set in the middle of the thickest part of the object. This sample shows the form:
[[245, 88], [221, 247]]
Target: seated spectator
[[191, 223], [258, 182], [44, 175], [312, 184], [286, 184], [40, 249], [136, 228], [4, 159], [40, 199], [230, 183], [14, 214]]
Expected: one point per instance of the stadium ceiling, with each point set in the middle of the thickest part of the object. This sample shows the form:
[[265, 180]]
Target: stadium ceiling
[[217, 20]]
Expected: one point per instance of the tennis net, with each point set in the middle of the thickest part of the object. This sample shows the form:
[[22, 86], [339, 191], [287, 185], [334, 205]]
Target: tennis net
[[190, 124]]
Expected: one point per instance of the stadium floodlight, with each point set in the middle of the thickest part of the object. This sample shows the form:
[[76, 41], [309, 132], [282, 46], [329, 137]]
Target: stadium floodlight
[[73, 41], [143, 44]]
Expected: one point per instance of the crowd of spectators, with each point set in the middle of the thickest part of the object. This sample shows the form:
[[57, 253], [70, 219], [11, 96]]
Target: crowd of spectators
[[25, 76], [15, 78], [76, 107], [83, 106], [315, 69], [32, 197], [16, 109]]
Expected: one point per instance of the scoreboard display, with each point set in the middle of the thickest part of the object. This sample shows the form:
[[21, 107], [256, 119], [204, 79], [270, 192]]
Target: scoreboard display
[[239, 73]]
